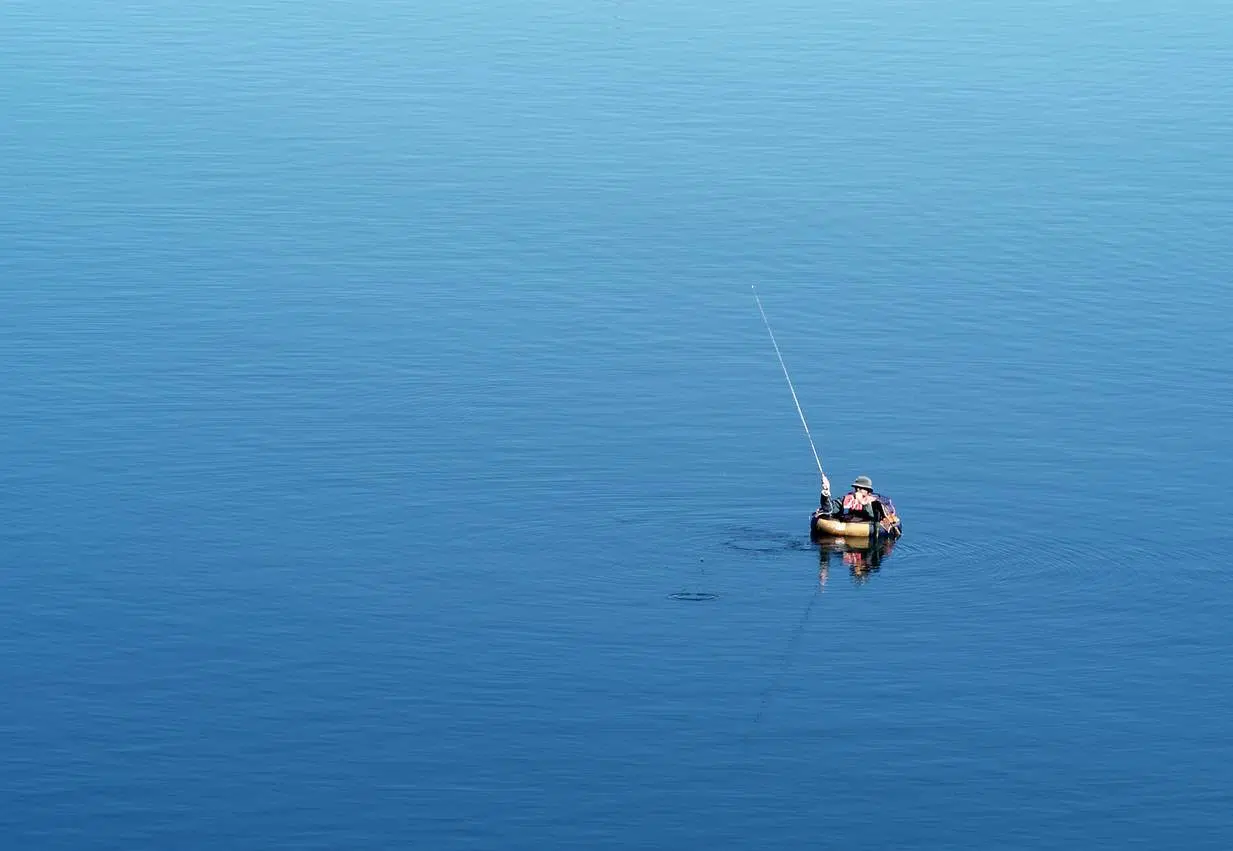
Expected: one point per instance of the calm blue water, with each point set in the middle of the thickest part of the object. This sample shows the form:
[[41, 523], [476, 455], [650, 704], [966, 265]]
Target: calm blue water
[[373, 375]]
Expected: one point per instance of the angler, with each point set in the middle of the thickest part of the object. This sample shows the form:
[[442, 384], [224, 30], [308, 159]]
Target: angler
[[861, 513]]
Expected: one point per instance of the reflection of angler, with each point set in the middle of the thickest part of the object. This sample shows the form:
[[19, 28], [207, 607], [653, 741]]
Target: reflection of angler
[[861, 558]]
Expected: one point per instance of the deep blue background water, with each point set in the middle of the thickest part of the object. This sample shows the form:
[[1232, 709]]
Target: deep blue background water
[[373, 374]]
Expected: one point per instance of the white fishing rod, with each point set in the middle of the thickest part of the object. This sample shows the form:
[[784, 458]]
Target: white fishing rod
[[788, 654], [767, 323]]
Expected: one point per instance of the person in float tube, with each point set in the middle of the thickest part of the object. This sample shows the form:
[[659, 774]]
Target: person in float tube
[[861, 504]]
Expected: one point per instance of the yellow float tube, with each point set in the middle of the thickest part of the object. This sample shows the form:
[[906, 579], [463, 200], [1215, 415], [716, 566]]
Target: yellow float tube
[[826, 526]]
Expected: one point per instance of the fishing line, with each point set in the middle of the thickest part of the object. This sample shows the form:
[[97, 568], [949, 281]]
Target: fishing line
[[782, 366], [789, 655]]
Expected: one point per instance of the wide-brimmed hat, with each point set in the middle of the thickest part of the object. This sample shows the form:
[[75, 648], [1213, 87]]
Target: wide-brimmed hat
[[863, 482]]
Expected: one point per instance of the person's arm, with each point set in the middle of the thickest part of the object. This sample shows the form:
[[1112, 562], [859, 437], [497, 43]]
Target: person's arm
[[827, 505]]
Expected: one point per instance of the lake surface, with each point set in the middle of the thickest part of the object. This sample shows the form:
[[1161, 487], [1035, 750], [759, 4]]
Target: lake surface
[[375, 373]]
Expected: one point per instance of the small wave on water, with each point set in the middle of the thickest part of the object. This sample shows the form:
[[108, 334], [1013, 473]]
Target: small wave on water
[[1108, 557], [1008, 555]]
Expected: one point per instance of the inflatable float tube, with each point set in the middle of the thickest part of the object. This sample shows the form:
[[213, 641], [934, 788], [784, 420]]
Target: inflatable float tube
[[824, 526]]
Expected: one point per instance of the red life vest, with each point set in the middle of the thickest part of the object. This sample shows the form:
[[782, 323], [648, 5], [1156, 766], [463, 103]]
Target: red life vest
[[852, 503]]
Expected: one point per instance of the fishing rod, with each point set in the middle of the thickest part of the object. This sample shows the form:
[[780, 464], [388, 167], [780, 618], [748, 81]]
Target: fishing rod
[[767, 323], [789, 653]]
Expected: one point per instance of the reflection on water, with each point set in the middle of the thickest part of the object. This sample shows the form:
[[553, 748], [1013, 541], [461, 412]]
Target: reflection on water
[[862, 558]]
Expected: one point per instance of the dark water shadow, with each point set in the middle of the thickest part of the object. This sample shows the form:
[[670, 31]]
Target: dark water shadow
[[862, 559], [756, 541]]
